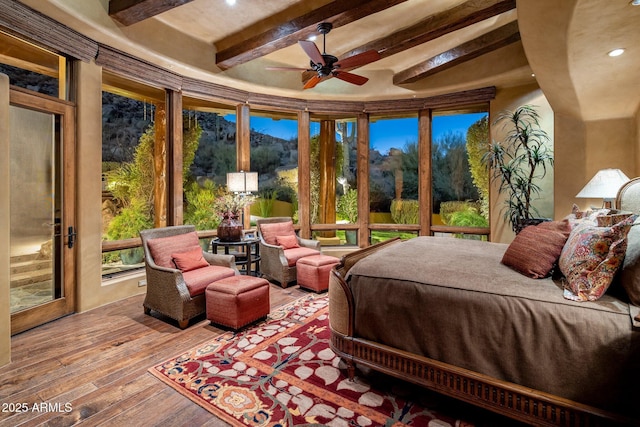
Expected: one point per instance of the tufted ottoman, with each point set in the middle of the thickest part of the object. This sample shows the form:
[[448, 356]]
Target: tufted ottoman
[[237, 301], [313, 271]]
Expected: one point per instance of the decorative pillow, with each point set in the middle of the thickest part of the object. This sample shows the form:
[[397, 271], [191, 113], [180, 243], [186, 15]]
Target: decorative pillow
[[591, 257], [630, 273], [189, 260], [536, 249], [161, 248], [287, 242], [612, 218], [590, 216], [269, 231]]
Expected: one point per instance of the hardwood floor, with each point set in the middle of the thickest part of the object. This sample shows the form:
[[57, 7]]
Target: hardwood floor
[[91, 368]]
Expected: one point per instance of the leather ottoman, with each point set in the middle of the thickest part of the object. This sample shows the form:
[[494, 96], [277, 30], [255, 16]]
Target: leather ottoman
[[237, 301], [313, 271]]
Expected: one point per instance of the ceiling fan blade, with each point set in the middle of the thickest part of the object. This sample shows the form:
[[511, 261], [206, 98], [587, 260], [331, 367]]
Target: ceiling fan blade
[[287, 69], [312, 51], [358, 59], [313, 81], [350, 78]]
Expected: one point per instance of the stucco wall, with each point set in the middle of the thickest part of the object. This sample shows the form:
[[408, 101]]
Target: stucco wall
[[5, 307], [570, 162], [510, 99], [583, 148], [92, 291], [637, 143]]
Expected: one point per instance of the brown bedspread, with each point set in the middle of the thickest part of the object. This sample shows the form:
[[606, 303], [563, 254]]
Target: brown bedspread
[[453, 301]]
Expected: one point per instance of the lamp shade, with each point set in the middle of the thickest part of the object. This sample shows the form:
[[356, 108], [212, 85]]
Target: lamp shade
[[604, 185], [242, 182]]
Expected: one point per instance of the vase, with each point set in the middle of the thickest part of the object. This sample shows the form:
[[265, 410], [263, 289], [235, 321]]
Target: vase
[[351, 236], [230, 229]]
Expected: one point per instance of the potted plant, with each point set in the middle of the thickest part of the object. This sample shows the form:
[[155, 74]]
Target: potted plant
[[519, 163], [348, 209]]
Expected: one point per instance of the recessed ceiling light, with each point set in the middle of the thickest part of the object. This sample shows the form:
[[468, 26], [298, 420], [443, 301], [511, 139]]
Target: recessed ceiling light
[[231, 2], [533, 74], [616, 52], [635, 3], [312, 38]]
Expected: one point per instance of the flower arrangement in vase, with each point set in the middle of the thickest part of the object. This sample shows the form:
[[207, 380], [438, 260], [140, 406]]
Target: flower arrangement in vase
[[230, 206]]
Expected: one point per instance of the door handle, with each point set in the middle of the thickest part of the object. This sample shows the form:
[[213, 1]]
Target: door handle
[[71, 237]]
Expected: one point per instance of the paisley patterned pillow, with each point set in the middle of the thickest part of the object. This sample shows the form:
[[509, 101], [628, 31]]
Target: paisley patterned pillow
[[577, 217], [591, 257]]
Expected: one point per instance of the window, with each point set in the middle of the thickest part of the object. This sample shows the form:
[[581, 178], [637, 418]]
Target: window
[[209, 150], [32, 67], [128, 134], [460, 182], [274, 156], [393, 175], [334, 186]]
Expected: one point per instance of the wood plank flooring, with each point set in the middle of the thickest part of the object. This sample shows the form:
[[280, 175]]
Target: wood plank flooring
[[91, 369]]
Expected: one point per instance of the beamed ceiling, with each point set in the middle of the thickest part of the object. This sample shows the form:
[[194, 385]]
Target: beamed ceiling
[[425, 47]]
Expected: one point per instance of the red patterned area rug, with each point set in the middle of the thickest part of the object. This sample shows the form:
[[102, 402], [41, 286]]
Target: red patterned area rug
[[283, 373]]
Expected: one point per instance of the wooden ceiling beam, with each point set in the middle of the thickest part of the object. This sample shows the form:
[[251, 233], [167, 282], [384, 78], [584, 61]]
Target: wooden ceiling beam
[[488, 42], [128, 12], [438, 25], [338, 12]]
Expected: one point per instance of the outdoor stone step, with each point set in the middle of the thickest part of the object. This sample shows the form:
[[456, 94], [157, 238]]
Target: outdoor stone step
[[22, 279], [24, 258], [25, 267]]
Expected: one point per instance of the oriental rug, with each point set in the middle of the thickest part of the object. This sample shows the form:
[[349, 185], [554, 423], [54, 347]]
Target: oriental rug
[[282, 373]]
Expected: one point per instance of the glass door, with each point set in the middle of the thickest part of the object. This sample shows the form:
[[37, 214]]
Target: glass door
[[42, 239]]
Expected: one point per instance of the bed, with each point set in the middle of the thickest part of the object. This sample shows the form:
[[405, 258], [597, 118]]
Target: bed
[[457, 320]]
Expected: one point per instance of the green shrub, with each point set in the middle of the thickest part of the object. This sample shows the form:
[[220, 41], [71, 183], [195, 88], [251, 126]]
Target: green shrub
[[267, 198], [348, 206], [200, 206], [130, 221], [468, 218], [449, 208], [405, 211]]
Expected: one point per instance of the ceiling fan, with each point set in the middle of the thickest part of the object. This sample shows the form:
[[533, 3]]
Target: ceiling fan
[[326, 65]]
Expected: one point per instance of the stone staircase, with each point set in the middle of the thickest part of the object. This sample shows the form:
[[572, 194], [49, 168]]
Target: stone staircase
[[29, 269]]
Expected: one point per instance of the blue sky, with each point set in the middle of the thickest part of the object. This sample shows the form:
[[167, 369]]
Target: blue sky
[[384, 133]]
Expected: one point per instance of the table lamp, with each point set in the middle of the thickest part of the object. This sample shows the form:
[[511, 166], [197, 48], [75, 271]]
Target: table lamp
[[242, 182], [604, 185]]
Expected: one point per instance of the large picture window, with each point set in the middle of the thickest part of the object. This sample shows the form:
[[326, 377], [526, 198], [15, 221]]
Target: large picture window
[[393, 174], [334, 185], [128, 133], [209, 153], [274, 156], [460, 180]]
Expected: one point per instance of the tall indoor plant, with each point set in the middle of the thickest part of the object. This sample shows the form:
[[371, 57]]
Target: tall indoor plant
[[519, 163]]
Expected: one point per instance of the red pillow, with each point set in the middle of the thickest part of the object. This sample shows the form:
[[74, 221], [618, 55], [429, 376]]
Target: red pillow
[[161, 248], [190, 259], [287, 242], [536, 249], [269, 231]]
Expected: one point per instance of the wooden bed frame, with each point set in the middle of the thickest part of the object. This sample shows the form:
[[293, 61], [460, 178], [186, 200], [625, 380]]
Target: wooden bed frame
[[509, 399]]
